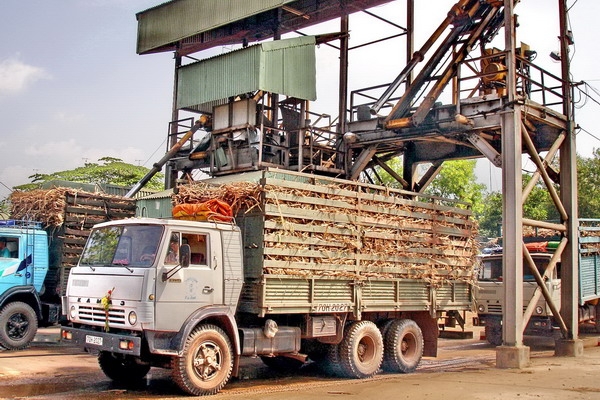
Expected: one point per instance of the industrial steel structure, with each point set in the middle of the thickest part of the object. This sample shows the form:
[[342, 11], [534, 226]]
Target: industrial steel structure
[[254, 111]]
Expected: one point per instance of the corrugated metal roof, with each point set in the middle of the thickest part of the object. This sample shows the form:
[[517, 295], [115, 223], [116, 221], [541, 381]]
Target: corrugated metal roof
[[188, 26], [286, 67], [179, 19]]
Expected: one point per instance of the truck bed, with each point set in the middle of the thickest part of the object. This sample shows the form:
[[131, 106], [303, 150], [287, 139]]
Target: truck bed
[[317, 244], [281, 294]]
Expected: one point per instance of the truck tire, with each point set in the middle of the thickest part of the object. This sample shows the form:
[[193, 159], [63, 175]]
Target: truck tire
[[403, 346], [493, 334], [207, 361], [18, 325], [329, 360], [361, 350], [121, 369]]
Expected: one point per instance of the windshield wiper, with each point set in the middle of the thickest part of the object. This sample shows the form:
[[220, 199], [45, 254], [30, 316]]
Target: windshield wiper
[[123, 264]]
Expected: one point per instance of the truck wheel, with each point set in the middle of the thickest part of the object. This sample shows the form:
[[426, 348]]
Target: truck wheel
[[597, 319], [18, 325], [206, 364], [329, 362], [403, 346], [361, 350], [121, 369], [493, 334], [282, 364]]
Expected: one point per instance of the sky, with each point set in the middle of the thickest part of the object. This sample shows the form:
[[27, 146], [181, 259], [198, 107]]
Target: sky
[[73, 89]]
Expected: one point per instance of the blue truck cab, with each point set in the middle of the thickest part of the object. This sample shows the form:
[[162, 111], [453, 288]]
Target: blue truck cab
[[24, 265]]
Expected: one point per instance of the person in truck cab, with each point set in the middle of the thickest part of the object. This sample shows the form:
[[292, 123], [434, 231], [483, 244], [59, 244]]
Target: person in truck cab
[[173, 253], [4, 252]]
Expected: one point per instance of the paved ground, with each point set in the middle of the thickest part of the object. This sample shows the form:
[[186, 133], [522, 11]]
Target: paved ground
[[465, 370]]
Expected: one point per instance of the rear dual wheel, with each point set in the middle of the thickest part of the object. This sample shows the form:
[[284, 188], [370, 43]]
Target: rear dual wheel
[[360, 353], [403, 344]]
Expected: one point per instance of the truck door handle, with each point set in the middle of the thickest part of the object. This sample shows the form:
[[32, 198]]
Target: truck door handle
[[207, 290]]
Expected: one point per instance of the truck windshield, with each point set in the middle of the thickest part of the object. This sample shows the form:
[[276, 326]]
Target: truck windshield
[[491, 268], [126, 245]]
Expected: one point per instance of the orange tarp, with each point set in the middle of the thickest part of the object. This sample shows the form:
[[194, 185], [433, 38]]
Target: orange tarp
[[211, 210]]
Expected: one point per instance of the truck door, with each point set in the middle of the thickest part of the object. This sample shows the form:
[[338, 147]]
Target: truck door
[[10, 259], [187, 289]]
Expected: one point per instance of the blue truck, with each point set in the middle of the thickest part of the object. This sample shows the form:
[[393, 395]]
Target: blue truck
[[38, 248], [24, 265]]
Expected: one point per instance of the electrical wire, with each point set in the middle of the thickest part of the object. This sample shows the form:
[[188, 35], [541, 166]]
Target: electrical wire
[[587, 95], [155, 151], [569, 8], [589, 133], [2, 183]]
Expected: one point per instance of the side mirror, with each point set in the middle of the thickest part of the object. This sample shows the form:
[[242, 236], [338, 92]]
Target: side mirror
[[185, 254]]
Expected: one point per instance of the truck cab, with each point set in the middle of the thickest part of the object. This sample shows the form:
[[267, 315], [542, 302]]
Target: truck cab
[[489, 296], [23, 269]]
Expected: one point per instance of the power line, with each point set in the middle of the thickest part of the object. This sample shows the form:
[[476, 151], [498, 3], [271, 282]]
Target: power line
[[2, 183], [587, 95], [158, 148], [589, 133]]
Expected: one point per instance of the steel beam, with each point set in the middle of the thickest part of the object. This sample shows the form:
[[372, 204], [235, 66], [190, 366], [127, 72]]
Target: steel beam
[[512, 209], [568, 192]]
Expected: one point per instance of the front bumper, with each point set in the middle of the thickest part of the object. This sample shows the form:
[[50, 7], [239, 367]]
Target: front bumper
[[102, 341]]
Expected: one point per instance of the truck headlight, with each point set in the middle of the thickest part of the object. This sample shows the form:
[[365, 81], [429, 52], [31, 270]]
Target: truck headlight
[[73, 312], [481, 308], [132, 318], [539, 310]]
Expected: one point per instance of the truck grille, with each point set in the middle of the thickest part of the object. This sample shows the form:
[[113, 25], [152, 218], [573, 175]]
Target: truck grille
[[97, 314], [495, 308]]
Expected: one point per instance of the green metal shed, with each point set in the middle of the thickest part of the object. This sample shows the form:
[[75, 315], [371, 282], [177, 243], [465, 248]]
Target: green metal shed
[[284, 66]]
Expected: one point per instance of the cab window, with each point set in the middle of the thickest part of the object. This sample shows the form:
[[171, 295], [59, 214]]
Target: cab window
[[198, 247], [9, 247]]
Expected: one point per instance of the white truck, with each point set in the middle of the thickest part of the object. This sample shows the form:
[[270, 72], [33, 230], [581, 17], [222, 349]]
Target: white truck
[[349, 275], [489, 294]]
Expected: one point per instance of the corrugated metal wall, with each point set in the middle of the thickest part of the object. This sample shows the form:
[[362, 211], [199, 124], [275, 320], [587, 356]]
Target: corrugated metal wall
[[176, 20], [158, 205], [286, 67], [289, 67], [219, 77]]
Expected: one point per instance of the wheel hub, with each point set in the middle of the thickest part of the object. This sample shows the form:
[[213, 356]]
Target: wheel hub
[[17, 326]]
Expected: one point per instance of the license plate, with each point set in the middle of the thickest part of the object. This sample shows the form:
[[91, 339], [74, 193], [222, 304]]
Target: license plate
[[97, 340]]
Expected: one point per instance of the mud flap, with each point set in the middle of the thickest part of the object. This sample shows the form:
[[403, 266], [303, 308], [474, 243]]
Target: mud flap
[[430, 331]]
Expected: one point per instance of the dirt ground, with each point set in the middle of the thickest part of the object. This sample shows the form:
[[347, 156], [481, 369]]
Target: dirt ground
[[464, 369]]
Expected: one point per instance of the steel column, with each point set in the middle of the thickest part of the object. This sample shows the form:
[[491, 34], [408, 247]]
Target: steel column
[[568, 192], [512, 209]]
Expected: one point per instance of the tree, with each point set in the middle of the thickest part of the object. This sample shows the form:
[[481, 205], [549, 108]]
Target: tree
[[456, 180], [490, 218], [538, 206], [107, 170], [588, 176]]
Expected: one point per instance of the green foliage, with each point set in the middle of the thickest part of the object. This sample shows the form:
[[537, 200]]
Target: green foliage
[[539, 204], [490, 218], [107, 170], [588, 176], [457, 181], [4, 208], [386, 179]]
